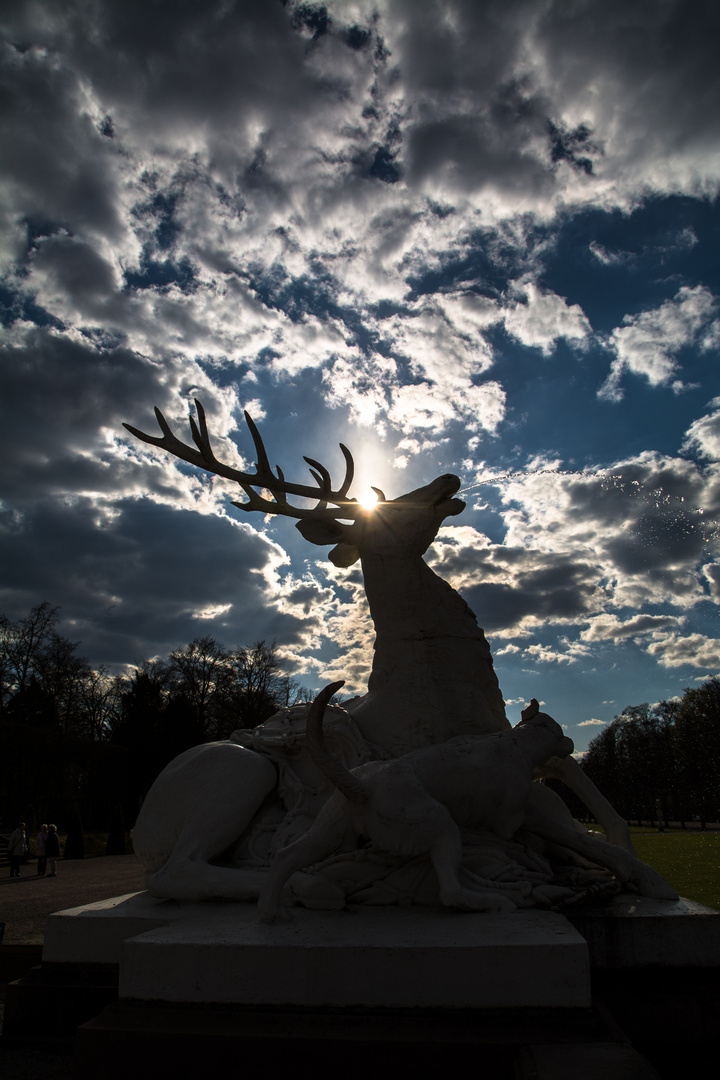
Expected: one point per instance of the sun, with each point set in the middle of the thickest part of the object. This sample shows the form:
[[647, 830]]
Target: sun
[[369, 499]]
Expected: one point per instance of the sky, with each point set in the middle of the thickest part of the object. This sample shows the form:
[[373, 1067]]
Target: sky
[[461, 236]]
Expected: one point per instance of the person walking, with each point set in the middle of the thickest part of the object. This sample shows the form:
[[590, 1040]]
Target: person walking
[[52, 849], [17, 848], [40, 850]]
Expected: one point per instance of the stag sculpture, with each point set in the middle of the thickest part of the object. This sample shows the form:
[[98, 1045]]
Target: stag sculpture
[[432, 676]]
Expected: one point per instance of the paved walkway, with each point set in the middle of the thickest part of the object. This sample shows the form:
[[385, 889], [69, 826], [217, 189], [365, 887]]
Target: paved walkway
[[26, 902]]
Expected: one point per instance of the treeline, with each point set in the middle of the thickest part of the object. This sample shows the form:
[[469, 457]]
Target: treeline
[[662, 762], [75, 740]]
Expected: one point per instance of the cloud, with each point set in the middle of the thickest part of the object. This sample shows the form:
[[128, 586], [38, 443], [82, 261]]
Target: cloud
[[540, 318], [695, 650], [703, 435], [582, 552], [712, 573], [607, 258], [645, 522], [159, 181], [568, 652], [508, 650], [593, 722], [549, 100], [126, 576], [648, 344], [607, 627], [63, 410]]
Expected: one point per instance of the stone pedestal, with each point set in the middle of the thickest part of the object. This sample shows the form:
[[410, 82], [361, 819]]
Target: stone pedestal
[[377, 957], [180, 985], [630, 932]]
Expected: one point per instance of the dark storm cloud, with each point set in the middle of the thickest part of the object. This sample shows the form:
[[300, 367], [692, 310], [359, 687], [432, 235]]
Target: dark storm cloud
[[216, 65], [506, 585], [651, 511], [58, 394], [61, 416], [467, 153], [55, 160], [129, 574], [559, 594], [649, 50], [77, 269], [237, 52], [497, 108]]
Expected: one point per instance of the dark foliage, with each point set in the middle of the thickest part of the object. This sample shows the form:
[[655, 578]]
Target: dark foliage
[[116, 833], [662, 762], [72, 737], [75, 843]]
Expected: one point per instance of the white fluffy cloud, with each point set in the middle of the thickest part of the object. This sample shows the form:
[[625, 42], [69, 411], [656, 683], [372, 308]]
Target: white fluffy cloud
[[539, 318], [697, 650], [648, 344], [703, 435]]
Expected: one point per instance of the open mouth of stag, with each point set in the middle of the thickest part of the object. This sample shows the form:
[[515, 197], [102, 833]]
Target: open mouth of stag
[[444, 504], [438, 495]]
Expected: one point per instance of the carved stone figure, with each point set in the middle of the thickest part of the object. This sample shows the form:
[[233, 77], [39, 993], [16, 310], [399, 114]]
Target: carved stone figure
[[418, 803], [209, 824]]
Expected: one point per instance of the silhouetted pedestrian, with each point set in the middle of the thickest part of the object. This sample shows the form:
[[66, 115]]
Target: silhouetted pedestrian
[[40, 850], [17, 848]]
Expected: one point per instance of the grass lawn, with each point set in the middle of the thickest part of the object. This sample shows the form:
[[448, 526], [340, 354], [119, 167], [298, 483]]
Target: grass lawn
[[689, 860]]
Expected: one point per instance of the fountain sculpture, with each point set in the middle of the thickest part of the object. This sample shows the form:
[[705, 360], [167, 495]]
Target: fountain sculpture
[[328, 779]]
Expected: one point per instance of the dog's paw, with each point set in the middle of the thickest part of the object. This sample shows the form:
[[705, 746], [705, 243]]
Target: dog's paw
[[467, 900], [317, 893], [500, 903], [649, 883], [269, 918]]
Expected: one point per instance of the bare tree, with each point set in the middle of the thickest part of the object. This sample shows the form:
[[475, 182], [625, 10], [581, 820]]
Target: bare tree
[[22, 645]]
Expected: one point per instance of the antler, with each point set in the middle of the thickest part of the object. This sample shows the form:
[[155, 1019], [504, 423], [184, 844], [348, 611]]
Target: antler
[[263, 477]]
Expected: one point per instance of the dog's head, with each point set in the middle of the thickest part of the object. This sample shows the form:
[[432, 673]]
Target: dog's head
[[531, 715]]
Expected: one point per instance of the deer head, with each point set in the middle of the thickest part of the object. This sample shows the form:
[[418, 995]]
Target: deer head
[[402, 526], [396, 527]]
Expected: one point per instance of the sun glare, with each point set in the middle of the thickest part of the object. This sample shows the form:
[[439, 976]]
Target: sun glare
[[368, 500]]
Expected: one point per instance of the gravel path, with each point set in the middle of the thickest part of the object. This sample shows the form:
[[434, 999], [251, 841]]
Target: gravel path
[[26, 902]]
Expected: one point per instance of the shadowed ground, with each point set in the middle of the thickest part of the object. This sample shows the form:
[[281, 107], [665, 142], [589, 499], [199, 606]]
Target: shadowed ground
[[24, 907], [25, 903]]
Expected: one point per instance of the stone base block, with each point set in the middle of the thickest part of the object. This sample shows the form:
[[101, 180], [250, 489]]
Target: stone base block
[[507, 1044], [504, 1044], [633, 931], [62, 995], [93, 933], [377, 957]]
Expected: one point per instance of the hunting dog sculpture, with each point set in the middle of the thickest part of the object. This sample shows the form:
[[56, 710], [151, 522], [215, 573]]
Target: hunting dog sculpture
[[416, 804]]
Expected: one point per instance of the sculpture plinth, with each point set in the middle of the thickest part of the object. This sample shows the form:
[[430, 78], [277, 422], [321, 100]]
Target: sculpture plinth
[[379, 988]]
